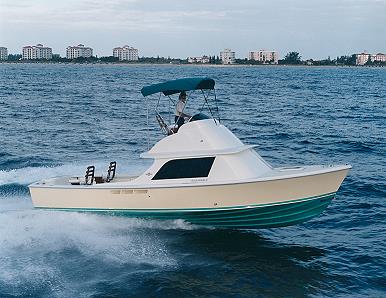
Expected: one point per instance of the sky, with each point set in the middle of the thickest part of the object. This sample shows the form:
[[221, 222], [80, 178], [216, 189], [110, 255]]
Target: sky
[[182, 28]]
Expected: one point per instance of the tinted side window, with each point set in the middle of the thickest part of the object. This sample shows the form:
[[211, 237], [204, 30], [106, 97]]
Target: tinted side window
[[185, 168]]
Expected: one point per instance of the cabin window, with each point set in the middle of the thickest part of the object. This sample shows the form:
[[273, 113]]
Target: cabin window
[[185, 168]]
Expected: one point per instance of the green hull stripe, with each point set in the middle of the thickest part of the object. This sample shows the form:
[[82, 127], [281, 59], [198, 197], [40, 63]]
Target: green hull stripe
[[272, 224], [251, 212], [258, 216]]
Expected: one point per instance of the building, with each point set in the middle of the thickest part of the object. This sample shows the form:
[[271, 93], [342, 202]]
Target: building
[[362, 58], [126, 53], [264, 56], [3, 53], [36, 52], [202, 59], [378, 58], [73, 52], [227, 56]]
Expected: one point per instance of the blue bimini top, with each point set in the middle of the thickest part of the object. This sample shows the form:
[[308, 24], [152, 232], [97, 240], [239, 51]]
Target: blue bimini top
[[176, 86]]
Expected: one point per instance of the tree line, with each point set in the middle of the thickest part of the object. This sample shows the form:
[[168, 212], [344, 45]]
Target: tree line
[[294, 58], [291, 58]]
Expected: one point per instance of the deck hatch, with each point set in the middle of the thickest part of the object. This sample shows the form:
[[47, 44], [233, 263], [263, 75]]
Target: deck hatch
[[185, 168]]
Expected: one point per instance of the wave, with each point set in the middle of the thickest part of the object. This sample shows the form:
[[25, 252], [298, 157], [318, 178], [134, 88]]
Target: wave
[[355, 146], [7, 190], [9, 161]]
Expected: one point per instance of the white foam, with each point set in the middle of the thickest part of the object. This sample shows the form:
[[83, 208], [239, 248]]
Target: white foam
[[16, 203], [117, 239], [31, 240]]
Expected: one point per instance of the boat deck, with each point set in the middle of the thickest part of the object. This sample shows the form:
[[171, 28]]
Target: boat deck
[[130, 181], [65, 180]]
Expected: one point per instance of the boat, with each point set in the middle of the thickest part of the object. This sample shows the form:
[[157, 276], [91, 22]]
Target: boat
[[201, 173]]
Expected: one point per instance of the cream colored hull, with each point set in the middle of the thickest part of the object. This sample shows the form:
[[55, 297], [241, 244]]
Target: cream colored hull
[[188, 197]]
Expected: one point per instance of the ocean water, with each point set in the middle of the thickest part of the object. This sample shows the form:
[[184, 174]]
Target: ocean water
[[57, 119]]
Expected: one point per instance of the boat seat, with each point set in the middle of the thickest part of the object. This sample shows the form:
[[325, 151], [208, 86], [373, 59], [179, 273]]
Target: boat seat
[[89, 177], [111, 171]]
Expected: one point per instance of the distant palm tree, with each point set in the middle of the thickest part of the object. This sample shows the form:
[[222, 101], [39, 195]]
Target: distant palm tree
[[292, 58]]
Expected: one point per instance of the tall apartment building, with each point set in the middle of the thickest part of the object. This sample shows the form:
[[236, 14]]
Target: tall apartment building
[[126, 53], [36, 52], [264, 56], [73, 52], [3, 53], [363, 58], [227, 56]]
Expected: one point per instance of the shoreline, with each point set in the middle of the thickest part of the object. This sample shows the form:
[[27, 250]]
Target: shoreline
[[187, 64]]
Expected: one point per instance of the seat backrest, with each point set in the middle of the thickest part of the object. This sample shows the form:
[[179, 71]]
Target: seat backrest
[[89, 177], [111, 171]]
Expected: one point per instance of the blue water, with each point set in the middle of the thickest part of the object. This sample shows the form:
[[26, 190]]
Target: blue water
[[57, 119]]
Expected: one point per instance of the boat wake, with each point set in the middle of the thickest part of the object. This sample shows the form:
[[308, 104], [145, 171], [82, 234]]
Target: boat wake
[[38, 249]]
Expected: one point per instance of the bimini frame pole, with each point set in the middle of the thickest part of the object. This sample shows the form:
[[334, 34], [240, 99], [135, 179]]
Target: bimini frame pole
[[207, 103], [147, 124], [170, 101], [215, 100]]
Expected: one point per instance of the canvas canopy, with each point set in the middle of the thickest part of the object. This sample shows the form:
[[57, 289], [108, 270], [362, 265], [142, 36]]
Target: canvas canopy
[[176, 86]]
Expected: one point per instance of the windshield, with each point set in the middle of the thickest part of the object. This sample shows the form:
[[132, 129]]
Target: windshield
[[199, 116]]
